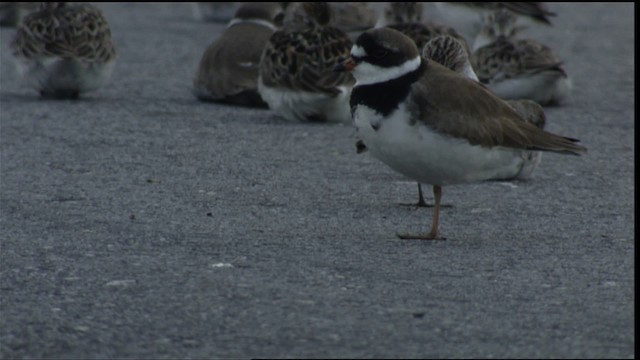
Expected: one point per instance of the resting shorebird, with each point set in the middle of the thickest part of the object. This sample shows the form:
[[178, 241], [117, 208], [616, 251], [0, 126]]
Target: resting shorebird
[[467, 17], [228, 70], [296, 70], [432, 124], [517, 68], [64, 50], [406, 17]]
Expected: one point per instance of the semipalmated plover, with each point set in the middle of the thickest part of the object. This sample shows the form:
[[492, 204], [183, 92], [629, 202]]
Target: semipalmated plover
[[63, 50], [228, 70], [517, 68], [449, 52], [432, 124], [296, 71]]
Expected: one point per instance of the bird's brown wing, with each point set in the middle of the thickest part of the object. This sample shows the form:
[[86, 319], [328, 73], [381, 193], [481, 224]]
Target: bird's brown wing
[[459, 107]]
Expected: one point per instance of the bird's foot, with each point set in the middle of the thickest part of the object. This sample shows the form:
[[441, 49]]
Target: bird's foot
[[429, 236], [423, 204]]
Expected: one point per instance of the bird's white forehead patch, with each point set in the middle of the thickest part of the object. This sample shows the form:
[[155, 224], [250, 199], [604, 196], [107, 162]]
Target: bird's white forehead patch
[[358, 51]]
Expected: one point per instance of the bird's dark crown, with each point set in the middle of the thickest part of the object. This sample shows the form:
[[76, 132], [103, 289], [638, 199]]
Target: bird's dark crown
[[385, 47]]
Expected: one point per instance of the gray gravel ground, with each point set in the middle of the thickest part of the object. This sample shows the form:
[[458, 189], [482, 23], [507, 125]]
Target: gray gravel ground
[[140, 223]]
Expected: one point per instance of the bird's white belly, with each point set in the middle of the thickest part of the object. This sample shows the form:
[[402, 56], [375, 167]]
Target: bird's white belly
[[429, 157], [52, 74], [295, 105], [543, 87]]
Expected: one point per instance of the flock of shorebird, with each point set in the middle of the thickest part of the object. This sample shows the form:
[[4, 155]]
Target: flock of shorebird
[[438, 105]]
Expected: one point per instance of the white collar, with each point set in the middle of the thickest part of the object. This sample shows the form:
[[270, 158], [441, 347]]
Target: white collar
[[367, 73]]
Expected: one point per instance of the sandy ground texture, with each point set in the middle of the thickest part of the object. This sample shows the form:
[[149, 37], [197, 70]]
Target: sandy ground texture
[[138, 222]]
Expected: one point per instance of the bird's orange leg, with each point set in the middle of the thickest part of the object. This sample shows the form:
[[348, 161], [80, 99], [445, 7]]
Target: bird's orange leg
[[433, 234]]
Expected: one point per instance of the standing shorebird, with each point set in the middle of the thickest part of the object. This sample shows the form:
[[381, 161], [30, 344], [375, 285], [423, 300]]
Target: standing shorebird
[[64, 50], [432, 124], [450, 53]]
